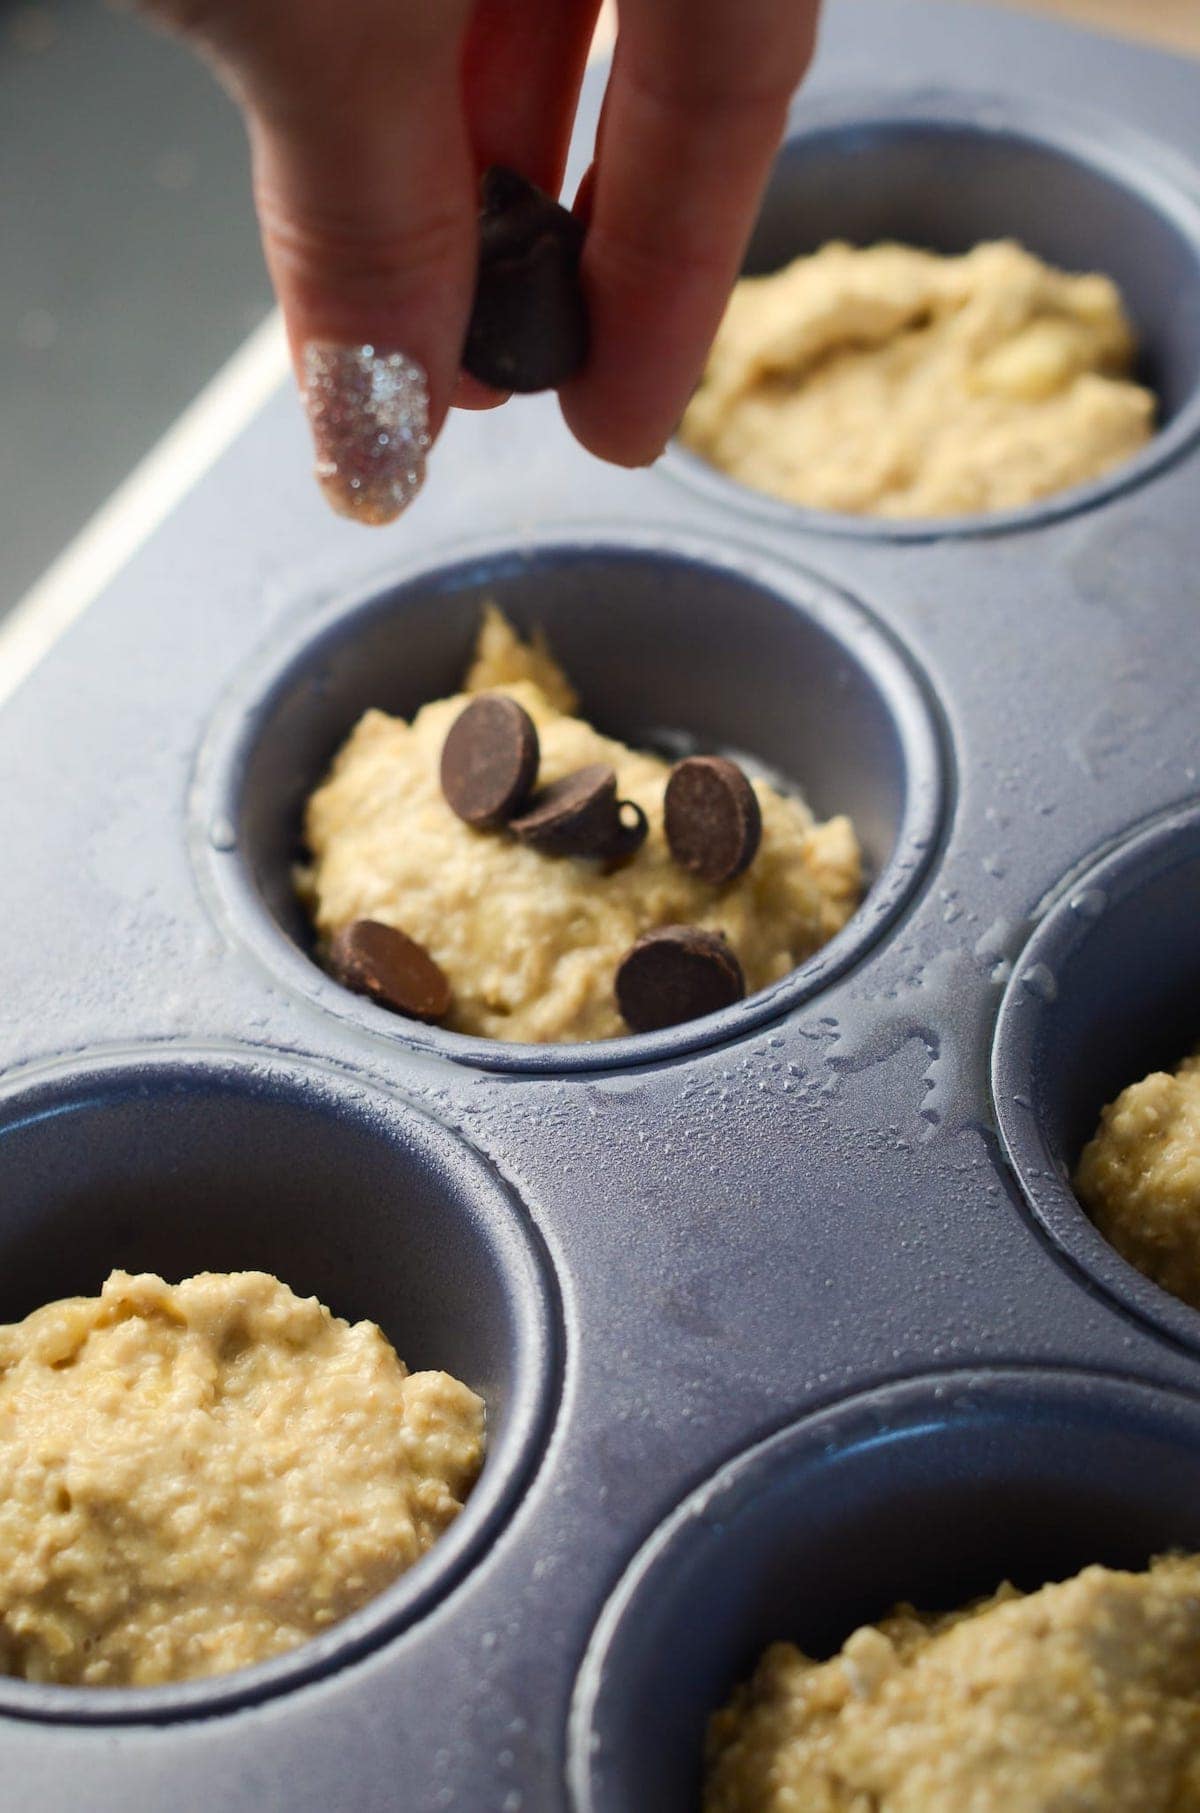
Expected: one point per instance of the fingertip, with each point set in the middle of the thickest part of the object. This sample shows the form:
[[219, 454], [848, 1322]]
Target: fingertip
[[368, 411], [612, 434], [368, 217], [469, 393], [693, 115]]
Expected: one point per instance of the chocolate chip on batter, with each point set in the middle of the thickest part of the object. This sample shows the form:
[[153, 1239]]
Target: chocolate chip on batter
[[391, 967], [630, 834], [712, 818], [574, 816], [528, 329], [489, 760], [677, 973]]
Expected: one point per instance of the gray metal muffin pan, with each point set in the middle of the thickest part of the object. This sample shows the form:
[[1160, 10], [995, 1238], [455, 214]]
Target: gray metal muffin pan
[[780, 1316]]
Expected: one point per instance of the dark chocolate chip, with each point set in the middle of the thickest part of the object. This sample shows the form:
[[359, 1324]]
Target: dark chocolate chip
[[677, 973], [489, 760], [528, 329], [630, 834], [391, 967], [575, 816], [712, 818]]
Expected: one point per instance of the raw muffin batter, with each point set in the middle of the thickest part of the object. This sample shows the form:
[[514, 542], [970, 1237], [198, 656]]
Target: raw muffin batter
[[1081, 1698], [894, 382], [196, 1477], [1139, 1178], [531, 943]]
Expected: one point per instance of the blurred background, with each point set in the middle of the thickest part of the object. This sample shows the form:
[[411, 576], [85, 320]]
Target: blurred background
[[131, 267]]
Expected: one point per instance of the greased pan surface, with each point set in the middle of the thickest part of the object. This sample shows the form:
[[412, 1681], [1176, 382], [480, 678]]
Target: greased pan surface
[[752, 1300]]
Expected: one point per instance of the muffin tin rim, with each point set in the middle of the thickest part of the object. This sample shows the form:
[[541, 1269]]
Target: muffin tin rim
[[915, 709], [1043, 1187], [1155, 173], [83, 1081]]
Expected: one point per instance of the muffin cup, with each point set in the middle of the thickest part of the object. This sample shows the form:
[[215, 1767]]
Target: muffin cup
[[661, 636], [1081, 192], [933, 1491], [216, 1162], [1106, 991]]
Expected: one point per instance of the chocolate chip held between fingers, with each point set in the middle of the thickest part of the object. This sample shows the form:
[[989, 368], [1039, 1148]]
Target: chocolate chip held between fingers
[[489, 760], [528, 329], [677, 973], [711, 817], [391, 967]]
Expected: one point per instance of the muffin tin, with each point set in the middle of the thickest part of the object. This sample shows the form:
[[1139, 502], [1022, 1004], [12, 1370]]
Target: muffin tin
[[779, 1316]]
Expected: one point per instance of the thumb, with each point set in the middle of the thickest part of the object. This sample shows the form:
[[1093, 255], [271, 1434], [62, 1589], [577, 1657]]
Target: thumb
[[365, 187]]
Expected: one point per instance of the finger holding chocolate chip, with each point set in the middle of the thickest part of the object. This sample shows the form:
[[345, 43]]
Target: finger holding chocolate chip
[[370, 123]]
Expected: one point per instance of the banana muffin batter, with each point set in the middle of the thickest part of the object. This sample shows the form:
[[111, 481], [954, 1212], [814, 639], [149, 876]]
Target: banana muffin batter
[[530, 943], [200, 1476], [888, 381], [1084, 1696], [1139, 1177]]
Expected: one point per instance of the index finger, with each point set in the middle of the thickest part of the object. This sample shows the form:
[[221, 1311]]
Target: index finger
[[695, 109]]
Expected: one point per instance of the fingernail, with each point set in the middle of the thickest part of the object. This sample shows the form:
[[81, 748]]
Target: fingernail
[[369, 414]]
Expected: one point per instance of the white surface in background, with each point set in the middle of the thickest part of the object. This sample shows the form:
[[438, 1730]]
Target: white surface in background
[[136, 508]]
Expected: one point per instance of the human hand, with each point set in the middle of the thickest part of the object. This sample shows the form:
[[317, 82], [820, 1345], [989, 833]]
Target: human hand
[[369, 123]]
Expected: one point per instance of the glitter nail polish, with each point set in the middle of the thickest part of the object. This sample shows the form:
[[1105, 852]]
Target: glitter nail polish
[[369, 414]]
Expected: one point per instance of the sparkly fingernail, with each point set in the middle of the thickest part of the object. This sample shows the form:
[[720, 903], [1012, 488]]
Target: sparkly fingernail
[[369, 414]]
